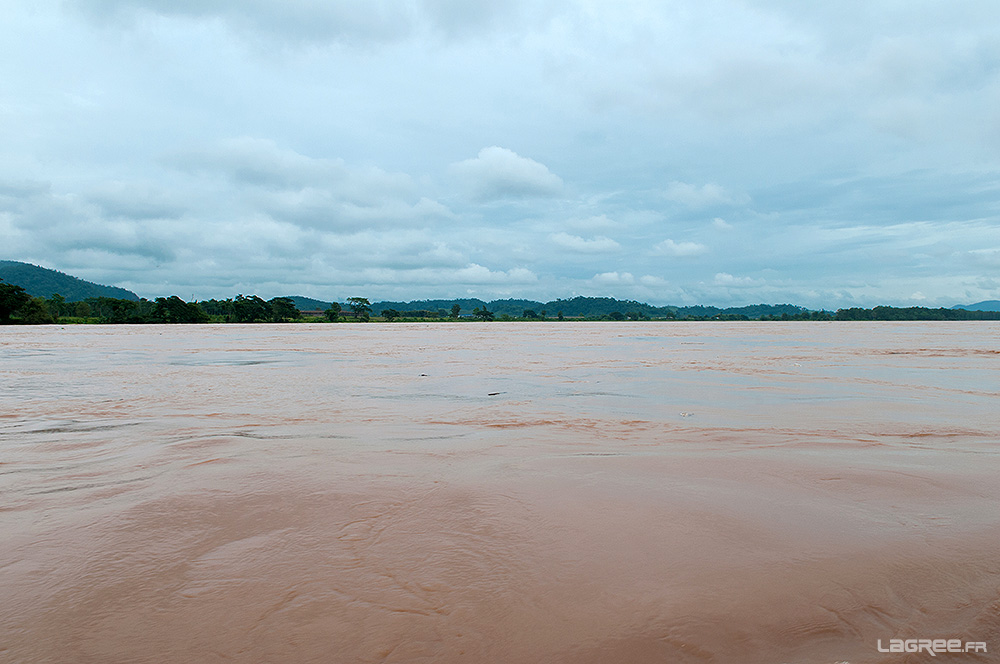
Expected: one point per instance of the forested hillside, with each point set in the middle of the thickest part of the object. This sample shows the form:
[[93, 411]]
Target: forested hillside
[[43, 282]]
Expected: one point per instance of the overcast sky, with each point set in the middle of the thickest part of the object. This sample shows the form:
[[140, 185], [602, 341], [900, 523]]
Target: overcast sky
[[724, 152]]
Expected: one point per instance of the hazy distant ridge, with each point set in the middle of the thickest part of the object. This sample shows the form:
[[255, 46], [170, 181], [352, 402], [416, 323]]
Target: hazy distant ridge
[[574, 307], [985, 305]]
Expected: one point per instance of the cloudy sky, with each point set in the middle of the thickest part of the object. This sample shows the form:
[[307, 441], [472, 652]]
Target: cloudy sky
[[720, 152]]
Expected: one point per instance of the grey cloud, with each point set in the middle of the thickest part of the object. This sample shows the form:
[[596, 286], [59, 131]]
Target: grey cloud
[[64, 223], [460, 16], [327, 210], [796, 74], [388, 254], [345, 21], [297, 20], [253, 236], [135, 200], [17, 190], [472, 274], [902, 197], [904, 65], [988, 257], [423, 255], [313, 192], [122, 239], [262, 163], [259, 162]]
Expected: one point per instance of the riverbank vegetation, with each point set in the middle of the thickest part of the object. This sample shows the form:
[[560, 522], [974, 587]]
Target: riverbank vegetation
[[18, 307]]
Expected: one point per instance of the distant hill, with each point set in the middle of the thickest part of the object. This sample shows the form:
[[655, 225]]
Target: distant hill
[[751, 311], [586, 307], [602, 306], [43, 282], [986, 305], [303, 303], [467, 305]]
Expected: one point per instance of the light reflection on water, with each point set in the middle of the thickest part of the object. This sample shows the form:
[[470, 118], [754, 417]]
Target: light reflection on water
[[537, 492]]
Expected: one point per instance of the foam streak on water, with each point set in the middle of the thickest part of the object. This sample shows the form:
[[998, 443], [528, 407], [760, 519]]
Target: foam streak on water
[[571, 492]]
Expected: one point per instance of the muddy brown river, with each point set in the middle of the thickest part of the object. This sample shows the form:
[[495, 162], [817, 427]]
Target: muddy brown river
[[745, 493]]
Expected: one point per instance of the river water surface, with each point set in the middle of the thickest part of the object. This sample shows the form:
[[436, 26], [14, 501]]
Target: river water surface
[[522, 492]]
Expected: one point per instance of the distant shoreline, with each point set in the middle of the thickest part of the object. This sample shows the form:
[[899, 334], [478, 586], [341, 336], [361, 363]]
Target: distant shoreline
[[19, 307]]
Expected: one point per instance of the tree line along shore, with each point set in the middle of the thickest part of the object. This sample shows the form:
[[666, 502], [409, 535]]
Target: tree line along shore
[[18, 307]]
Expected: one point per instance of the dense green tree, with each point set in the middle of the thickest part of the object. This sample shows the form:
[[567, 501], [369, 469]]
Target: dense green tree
[[333, 312], [117, 310], [283, 309], [913, 313], [36, 312], [175, 310], [482, 313], [390, 314], [57, 306], [114, 310], [455, 309], [616, 315], [217, 308], [529, 314], [249, 310], [361, 307], [12, 298]]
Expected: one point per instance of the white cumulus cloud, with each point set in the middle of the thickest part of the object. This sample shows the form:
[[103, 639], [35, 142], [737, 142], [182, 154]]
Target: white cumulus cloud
[[679, 249], [707, 195], [598, 245], [498, 173], [613, 278], [728, 280]]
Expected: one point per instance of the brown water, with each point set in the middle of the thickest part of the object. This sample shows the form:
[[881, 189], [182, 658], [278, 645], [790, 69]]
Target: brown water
[[745, 493]]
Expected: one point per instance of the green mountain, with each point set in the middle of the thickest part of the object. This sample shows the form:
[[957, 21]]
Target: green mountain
[[42, 282]]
